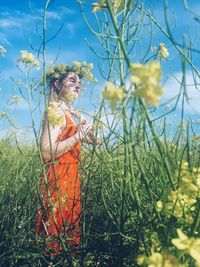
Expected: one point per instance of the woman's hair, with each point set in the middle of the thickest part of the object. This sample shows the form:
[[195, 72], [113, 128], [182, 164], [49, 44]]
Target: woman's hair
[[53, 90]]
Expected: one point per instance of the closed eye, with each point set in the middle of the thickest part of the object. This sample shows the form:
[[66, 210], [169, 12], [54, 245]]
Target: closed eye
[[72, 79]]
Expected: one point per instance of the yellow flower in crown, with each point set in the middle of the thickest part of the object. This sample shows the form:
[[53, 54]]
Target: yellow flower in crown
[[113, 94], [55, 115], [147, 78], [163, 51], [190, 245], [59, 71], [77, 64]]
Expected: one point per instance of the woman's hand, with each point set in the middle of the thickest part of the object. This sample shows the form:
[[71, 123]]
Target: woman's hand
[[90, 138], [83, 129]]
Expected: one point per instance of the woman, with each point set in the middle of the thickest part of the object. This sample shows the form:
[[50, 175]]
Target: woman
[[59, 212]]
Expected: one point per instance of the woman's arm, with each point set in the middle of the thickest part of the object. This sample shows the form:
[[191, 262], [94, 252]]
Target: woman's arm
[[57, 148], [61, 147]]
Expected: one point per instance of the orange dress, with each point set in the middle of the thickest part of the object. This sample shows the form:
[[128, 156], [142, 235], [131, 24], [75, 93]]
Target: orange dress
[[63, 184]]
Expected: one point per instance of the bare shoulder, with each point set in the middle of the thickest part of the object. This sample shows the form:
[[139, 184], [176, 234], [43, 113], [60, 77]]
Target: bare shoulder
[[59, 111]]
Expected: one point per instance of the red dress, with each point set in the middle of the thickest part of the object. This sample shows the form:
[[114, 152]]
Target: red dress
[[63, 183]]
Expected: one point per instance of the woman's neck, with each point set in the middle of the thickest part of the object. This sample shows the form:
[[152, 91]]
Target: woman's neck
[[64, 102]]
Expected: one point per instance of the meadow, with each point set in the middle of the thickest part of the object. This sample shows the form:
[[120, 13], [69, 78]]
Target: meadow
[[140, 186]]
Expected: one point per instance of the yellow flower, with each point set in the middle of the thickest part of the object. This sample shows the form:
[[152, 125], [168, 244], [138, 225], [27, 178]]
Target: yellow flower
[[141, 260], [182, 202], [147, 78], [77, 64], [37, 64], [163, 51], [190, 246], [97, 125], [113, 94], [90, 66], [85, 72], [153, 48], [99, 6], [158, 260], [71, 96], [117, 5], [159, 205], [2, 51], [56, 75], [161, 126], [55, 116], [155, 260], [3, 114], [16, 97], [27, 57], [57, 71]]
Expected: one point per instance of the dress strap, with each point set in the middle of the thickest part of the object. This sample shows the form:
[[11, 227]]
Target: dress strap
[[69, 118]]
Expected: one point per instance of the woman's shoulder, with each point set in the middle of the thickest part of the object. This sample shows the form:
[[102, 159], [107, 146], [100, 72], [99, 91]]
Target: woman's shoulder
[[52, 112]]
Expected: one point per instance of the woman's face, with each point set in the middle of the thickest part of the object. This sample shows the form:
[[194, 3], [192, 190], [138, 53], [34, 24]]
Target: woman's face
[[70, 85]]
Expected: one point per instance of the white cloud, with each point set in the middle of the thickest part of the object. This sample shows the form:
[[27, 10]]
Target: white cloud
[[172, 89], [22, 104], [4, 40], [7, 23], [70, 27], [66, 11], [3, 133], [17, 19], [58, 14]]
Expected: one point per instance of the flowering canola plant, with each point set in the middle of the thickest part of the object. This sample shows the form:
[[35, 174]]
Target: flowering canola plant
[[16, 98], [158, 260], [147, 78], [2, 50], [55, 115], [117, 5], [3, 114], [190, 245], [181, 203], [29, 58], [163, 51], [113, 94]]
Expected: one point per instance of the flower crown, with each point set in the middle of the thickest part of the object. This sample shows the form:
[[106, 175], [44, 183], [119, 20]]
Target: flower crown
[[59, 71]]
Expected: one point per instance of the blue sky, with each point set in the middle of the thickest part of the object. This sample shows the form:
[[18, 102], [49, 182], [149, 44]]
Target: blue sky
[[18, 22]]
